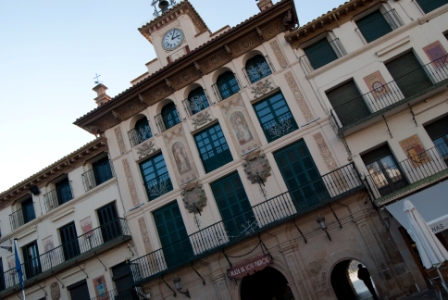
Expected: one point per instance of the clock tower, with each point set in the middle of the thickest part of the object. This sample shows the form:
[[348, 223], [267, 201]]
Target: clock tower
[[176, 30]]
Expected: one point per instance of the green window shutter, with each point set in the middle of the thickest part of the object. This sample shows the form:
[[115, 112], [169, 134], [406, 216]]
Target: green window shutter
[[408, 74], [320, 53], [275, 117], [348, 103], [430, 5], [373, 26], [234, 206], [213, 148], [172, 234], [301, 176]]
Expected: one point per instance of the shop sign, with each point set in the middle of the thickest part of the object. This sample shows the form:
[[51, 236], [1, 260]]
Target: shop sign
[[249, 267]]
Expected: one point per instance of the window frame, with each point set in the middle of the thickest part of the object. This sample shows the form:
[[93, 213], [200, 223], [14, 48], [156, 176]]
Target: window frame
[[232, 88], [264, 61], [141, 132], [155, 159]]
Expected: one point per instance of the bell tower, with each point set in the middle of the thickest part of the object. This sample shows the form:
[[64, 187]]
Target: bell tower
[[175, 30]]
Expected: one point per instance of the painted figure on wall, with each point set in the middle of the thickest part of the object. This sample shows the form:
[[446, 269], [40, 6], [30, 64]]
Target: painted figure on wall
[[240, 128], [181, 158], [100, 288]]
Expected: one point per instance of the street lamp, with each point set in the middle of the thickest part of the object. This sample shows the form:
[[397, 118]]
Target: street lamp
[[178, 286], [321, 220]]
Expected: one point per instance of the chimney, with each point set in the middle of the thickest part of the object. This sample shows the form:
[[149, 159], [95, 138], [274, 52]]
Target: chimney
[[264, 4], [102, 97]]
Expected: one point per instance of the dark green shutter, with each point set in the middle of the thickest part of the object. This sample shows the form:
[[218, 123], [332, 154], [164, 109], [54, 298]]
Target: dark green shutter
[[110, 224], [430, 5], [373, 26], [348, 103], [172, 234], [320, 53], [409, 74], [301, 176], [69, 240], [79, 290], [234, 206], [438, 128]]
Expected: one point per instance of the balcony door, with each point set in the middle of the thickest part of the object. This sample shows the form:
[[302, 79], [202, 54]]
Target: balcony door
[[384, 170], [438, 132], [109, 222], [122, 277], [301, 176], [234, 206], [172, 234], [69, 240], [408, 74], [31, 260], [79, 290]]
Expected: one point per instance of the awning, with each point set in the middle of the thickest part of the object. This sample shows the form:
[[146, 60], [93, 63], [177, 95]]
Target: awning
[[432, 203]]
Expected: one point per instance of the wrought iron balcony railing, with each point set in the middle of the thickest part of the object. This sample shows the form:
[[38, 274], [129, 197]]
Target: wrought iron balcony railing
[[158, 186], [138, 136], [53, 199], [97, 176], [321, 54], [260, 217], [387, 179], [196, 104], [72, 253], [216, 158], [392, 94], [16, 219]]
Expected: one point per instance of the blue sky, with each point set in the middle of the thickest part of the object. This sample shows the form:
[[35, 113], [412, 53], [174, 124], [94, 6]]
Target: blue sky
[[50, 51]]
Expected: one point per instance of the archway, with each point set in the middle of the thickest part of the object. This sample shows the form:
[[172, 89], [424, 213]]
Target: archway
[[267, 284], [345, 282]]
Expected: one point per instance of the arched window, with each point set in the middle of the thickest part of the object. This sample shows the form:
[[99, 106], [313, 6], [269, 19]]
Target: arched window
[[257, 68], [141, 132], [227, 85], [197, 101], [170, 116]]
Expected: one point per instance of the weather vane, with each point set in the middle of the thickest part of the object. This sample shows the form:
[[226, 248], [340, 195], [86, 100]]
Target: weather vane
[[96, 78]]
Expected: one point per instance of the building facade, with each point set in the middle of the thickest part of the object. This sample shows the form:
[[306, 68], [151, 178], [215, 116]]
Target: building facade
[[256, 162]]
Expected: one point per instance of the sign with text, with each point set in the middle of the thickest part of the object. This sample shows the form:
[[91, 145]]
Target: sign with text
[[249, 267]]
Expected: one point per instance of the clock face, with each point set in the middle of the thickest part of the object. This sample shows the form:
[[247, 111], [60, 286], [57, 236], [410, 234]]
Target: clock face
[[172, 39]]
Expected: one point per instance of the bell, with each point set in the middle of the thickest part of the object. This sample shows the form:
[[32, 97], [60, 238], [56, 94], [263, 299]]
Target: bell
[[163, 5]]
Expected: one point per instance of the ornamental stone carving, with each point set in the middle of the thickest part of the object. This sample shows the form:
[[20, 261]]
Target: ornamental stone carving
[[194, 197], [145, 149], [201, 119], [261, 88], [257, 167], [55, 292]]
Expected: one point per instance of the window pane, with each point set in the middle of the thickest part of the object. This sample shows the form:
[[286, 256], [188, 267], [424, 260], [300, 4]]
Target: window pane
[[227, 85], [257, 68], [275, 117], [197, 100], [155, 177], [102, 170], [170, 116]]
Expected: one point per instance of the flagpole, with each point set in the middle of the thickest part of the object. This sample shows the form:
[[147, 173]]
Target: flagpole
[[19, 268]]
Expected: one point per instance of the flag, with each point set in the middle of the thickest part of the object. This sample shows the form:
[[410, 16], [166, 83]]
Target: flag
[[18, 264]]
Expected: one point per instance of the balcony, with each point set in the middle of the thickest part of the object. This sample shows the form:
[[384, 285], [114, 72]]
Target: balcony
[[389, 99], [268, 214], [55, 198], [196, 104], [137, 136], [415, 172], [71, 254], [97, 175]]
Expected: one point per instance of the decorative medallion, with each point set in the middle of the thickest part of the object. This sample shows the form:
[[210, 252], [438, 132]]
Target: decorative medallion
[[194, 197], [145, 149], [257, 167], [55, 292], [261, 88], [201, 119]]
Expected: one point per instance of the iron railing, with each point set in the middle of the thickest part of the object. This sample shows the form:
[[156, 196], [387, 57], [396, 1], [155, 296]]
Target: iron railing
[[158, 186], [394, 93], [16, 219], [52, 199], [90, 242], [280, 126], [93, 177], [216, 158], [138, 136], [260, 217], [416, 167], [135, 293], [196, 104], [373, 28], [322, 53], [220, 95]]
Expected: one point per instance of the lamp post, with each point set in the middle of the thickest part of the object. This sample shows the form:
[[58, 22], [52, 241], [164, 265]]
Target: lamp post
[[321, 220], [178, 286]]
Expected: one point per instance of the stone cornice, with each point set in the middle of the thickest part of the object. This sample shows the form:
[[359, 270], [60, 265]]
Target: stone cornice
[[62, 166], [330, 20], [209, 57]]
